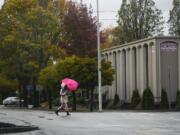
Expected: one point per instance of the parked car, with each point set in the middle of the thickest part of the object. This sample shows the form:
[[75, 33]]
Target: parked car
[[12, 101]]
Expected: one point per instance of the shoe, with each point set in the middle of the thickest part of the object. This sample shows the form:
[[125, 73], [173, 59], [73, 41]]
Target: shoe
[[56, 112], [68, 113]]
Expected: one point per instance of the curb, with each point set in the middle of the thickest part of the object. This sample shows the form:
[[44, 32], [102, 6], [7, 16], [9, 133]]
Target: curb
[[17, 129]]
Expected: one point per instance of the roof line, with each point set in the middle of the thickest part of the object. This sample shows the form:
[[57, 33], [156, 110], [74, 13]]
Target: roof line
[[138, 41]]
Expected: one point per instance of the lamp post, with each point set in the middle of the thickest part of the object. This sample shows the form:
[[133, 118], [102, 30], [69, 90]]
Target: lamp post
[[99, 59]]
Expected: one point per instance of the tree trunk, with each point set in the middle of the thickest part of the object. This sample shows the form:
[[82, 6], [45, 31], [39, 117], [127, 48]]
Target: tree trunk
[[20, 93], [74, 101], [87, 93], [92, 100], [25, 96], [35, 95], [49, 99]]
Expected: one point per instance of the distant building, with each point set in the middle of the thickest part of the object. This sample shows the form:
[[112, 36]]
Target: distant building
[[153, 62]]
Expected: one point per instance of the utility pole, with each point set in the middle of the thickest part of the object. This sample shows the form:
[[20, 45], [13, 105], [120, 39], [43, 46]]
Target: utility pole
[[99, 59]]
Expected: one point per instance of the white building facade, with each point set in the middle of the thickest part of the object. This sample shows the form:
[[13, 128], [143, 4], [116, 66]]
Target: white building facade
[[153, 62]]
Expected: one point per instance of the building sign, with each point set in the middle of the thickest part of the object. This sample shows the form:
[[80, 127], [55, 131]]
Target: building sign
[[168, 46]]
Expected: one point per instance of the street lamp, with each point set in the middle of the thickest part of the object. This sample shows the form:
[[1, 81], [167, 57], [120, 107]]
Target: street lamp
[[99, 59]]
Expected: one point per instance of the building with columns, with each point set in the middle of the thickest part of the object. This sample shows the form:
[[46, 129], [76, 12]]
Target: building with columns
[[152, 62]]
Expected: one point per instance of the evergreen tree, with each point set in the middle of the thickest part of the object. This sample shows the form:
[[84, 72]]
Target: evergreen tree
[[164, 100], [174, 20], [178, 100], [147, 99], [135, 98], [138, 19]]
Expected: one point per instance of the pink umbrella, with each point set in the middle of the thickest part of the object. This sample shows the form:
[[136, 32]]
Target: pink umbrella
[[71, 84]]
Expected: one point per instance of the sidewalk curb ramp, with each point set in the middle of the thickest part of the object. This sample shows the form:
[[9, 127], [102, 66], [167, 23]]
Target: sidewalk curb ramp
[[11, 128]]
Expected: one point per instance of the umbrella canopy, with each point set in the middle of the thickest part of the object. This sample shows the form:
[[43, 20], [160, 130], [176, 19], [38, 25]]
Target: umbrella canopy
[[71, 84]]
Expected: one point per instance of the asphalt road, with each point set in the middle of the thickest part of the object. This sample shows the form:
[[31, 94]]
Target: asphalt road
[[104, 123]]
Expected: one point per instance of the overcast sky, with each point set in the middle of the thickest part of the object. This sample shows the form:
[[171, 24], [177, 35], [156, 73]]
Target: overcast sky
[[108, 10]]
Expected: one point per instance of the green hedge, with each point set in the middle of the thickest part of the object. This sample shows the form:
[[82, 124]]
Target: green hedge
[[147, 99], [135, 100], [164, 100], [116, 99], [178, 100]]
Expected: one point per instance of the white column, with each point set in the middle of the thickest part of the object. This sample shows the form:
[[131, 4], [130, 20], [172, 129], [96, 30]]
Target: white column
[[128, 75], [179, 64], [150, 66], [132, 71], [115, 68], [109, 87], [103, 56], [122, 74], [118, 72], [112, 86], [106, 57], [154, 71], [138, 69], [142, 70]]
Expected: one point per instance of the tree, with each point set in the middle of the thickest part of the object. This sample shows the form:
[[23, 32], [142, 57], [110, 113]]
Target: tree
[[27, 43], [47, 78], [79, 31], [43, 3], [147, 99], [174, 20], [7, 87], [136, 99], [164, 100], [57, 7], [83, 70], [118, 36], [138, 19], [107, 38], [178, 100]]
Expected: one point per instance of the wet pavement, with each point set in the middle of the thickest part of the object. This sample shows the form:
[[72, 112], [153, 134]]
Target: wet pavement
[[104, 123]]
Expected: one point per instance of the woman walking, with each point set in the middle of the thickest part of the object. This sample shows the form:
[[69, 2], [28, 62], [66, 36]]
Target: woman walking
[[63, 99]]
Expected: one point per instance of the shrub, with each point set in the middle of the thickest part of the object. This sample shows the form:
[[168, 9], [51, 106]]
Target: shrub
[[135, 100], [1, 99], [81, 100], [116, 99], [104, 99], [110, 104], [164, 100], [56, 102], [178, 100], [147, 99]]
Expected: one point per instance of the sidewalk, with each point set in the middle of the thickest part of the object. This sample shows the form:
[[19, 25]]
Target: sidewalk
[[96, 123], [10, 124]]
